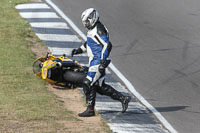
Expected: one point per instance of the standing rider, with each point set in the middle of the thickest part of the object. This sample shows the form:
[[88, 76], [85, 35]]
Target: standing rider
[[98, 48]]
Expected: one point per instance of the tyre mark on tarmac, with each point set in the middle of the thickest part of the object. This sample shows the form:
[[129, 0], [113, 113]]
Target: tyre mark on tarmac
[[55, 33]]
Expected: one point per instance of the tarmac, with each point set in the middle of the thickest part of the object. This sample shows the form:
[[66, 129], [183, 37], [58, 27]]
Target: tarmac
[[61, 39]]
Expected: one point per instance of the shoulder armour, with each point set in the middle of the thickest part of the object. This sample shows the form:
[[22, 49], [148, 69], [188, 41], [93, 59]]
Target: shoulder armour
[[101, 30]]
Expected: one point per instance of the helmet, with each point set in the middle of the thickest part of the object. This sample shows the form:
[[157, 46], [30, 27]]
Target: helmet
[[90, 17]]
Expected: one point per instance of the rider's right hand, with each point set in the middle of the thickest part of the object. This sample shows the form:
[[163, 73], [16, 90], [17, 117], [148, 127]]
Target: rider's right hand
[[76, 51]]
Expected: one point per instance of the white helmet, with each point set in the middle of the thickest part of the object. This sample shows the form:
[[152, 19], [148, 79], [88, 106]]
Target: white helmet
[[90, 17]]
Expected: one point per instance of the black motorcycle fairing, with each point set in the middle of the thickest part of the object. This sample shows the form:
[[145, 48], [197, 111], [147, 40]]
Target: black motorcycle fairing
[[67, 64], [55, 74]]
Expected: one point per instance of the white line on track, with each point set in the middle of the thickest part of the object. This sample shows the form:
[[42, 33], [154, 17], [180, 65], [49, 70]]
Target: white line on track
[[58, 37], [142, 100], [67, 19], [33, 6], [136, 128], [119, 74], [38, 15], [56, 25], [61, 51]]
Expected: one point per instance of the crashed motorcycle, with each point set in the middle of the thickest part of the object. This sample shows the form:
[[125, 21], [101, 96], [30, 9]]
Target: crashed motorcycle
[[60, 70]]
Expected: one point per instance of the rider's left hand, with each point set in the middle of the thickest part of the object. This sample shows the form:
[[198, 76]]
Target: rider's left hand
[[76, 51], [102, 66]]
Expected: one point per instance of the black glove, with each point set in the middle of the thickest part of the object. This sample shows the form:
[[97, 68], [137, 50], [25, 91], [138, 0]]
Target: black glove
[[76, 51], [102, 66]]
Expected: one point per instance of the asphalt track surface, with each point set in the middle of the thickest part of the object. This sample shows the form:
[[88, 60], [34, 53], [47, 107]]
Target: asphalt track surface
[[157, 47], [59, 38]]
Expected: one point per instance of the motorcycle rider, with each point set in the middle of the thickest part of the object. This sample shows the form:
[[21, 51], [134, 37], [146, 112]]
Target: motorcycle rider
[[98, 48]]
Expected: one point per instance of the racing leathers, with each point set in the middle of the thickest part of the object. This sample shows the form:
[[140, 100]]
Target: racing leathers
[[98, 48]]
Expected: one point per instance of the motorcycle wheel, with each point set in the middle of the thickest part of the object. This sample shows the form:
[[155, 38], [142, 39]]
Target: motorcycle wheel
[[74, 77]]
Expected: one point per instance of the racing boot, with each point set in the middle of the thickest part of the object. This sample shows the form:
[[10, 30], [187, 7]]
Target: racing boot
[[88, 112], [115, 95], [125, 100], [90, 93]]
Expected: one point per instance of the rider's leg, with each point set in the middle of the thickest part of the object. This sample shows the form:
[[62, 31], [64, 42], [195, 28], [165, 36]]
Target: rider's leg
[[90, 94], [105, 89], [90, 91]]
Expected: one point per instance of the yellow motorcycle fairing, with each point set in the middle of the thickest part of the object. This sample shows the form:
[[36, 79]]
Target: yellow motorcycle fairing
[[47, 63], [46, 66]]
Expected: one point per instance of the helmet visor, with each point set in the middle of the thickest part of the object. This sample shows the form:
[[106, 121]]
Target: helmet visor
[[86, 23]]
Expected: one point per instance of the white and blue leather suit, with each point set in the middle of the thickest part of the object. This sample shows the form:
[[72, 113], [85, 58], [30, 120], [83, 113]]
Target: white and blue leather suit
[[98, 48]]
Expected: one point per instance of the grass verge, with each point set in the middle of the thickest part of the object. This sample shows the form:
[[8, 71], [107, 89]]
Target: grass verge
[[25, 103]]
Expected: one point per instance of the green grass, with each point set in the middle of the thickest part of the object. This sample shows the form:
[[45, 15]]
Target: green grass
[[25, 103]]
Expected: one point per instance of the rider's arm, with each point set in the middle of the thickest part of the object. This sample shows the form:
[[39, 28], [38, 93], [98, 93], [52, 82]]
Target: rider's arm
[[83, 47], [103, 38], [79, 50]]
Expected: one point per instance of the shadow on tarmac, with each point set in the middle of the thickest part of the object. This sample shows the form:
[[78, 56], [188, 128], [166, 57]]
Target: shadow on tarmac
[[170, 109]]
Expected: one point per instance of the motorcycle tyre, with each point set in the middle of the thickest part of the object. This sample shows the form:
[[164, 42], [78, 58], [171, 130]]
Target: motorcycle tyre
[[74, 77]]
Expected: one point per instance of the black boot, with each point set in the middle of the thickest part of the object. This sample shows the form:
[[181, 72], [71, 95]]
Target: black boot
[[125, 100], [88, 112], [115, 95], [90, 94]]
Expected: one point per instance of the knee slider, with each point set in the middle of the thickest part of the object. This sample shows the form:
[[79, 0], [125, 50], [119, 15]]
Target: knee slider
[[86, 84]]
